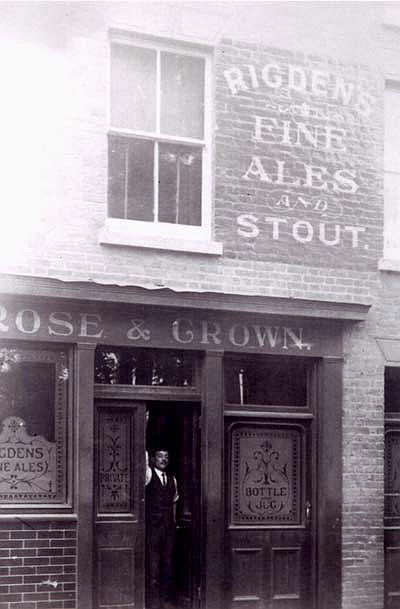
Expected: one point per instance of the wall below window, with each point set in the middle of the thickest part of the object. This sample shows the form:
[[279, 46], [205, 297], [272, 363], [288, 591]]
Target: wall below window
[[37, 564]]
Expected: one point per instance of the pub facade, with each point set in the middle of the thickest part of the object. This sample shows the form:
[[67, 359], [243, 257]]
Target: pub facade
[[205, 242]]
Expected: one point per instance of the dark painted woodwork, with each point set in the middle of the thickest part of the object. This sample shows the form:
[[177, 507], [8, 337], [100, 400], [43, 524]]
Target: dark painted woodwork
[[324, 339], [48, 288], [84, 366], [153, 393], [172, 328], [212, 481], [268, 539], [186, 554], [392, 512], [233, 410], [392, 568], [329, 488], [119, 505]]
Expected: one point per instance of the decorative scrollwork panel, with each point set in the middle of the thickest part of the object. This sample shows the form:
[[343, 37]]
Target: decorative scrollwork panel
[[114, 462], [266, 474]]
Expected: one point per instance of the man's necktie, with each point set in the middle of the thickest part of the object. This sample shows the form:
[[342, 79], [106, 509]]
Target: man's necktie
[[164, 479]]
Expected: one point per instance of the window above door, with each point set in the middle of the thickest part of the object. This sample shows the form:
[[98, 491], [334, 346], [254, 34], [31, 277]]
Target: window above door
[[281, 382], [159, 186]]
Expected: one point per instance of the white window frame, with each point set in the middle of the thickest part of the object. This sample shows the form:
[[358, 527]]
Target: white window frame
[[165, 235], [391, 241]]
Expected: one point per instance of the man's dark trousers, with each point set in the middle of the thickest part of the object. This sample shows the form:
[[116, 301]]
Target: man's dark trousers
[[160, 537]]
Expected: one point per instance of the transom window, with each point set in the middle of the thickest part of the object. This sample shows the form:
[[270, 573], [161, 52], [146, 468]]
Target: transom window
[[158, 150], [267, 380], [137, 366]]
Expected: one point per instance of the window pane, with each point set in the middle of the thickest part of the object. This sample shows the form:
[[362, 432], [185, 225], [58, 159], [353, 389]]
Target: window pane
[[130, 366], [182, 95], [392, 390], [130, 178], [180, 171], [33, 425], [274, 381], [27, 391], [133, 88]]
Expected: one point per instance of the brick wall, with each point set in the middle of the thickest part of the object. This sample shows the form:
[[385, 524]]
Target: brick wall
[[363, 480], [297, 164], [59, 239], [37, 565], [58, 231]]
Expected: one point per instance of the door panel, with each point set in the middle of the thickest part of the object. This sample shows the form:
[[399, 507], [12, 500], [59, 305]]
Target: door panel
[[392, 516], [119, 522], [268, 533]]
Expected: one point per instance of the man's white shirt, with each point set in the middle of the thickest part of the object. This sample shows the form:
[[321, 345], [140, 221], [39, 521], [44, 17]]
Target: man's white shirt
[[149, 473]]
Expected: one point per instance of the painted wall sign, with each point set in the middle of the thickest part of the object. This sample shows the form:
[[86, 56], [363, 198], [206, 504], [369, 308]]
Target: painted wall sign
[[152, 328], [296, 157], [322, 84], [28, 469]]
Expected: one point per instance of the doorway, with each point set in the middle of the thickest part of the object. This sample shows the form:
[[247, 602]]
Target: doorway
[[175, 426], [121, 438]]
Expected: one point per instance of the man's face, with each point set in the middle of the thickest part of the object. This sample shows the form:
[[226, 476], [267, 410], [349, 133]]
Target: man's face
[[161, 459]]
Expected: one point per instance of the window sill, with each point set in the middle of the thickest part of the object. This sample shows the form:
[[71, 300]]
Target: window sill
[[389, 264], [108, 236]]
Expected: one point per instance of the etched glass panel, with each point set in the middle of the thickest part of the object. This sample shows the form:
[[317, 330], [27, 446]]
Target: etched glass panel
[[265, 475], [114, 462], [392, 474], [33, 426]]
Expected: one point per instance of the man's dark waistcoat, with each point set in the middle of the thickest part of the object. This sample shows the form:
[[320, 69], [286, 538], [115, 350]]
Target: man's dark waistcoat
[[160, 500]]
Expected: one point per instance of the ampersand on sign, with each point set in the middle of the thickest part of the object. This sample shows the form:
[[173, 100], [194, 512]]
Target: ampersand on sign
[[138, 331]]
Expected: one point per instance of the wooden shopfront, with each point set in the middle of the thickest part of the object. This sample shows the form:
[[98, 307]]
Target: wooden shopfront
[[248, 397]]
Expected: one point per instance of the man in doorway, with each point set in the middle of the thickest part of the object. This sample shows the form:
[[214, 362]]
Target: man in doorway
[[161, 498]]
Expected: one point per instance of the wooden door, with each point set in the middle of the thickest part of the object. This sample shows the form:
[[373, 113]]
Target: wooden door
[[187, 550], [119, 505], [392, 515], [269, 532]]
